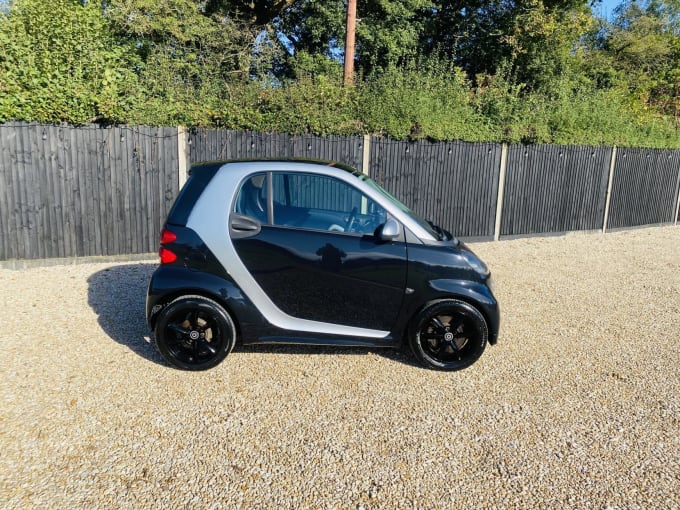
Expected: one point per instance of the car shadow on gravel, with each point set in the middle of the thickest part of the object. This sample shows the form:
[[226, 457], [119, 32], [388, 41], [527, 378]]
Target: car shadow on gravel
[[398, 355], [117, 295]]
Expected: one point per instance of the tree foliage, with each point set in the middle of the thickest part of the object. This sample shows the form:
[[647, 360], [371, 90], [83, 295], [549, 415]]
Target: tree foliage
[[643, 44], [544, 71]]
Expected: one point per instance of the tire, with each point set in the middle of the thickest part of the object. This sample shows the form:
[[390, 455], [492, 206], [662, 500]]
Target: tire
[[194, 333], [448, 335]]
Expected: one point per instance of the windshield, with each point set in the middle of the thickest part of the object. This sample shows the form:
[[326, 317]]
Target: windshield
[[428, 226]]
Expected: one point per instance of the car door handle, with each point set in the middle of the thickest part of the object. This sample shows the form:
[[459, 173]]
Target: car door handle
[[241, 226]]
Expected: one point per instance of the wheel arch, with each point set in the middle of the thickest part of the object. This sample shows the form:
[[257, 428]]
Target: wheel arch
[[488, 310], [439, 352], [170, 282], [194, 291]]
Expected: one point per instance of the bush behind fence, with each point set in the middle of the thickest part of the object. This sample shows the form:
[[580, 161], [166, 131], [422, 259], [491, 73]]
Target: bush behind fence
[[88, 191]]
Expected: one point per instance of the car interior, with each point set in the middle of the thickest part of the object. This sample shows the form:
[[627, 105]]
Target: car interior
[[320, 208]]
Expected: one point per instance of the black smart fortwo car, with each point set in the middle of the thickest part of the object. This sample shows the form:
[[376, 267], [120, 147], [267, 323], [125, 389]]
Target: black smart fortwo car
[[303, 252]]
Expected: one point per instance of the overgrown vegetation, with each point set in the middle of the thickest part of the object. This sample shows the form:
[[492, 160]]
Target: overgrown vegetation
[[534, 71]]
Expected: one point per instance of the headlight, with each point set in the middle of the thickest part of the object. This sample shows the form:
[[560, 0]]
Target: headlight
[[475, 263]]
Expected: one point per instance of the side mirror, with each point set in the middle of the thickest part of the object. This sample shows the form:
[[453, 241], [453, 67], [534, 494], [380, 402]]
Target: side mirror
[[390, 230]]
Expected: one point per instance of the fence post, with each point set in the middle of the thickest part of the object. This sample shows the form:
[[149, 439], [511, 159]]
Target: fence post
[[181, 156], [677, 197], [501, 189], [608, 197], [367, 156]]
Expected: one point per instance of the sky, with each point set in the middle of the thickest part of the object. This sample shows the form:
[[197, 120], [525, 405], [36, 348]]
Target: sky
[[606, 8]]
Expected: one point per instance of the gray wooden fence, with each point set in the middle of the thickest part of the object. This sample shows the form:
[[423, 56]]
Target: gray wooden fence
[[554, 189], [67, 192], [645, 188], [454, 184], [88, 191], [213, 145]]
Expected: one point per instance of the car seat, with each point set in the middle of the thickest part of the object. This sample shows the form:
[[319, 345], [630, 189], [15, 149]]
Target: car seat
[[250, 202]]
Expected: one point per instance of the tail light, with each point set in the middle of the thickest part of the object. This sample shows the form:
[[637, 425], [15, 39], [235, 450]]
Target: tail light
[[166, 255], [168, 236]]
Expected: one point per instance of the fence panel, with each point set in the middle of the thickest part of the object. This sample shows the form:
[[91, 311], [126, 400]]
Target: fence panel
[[212, 145], [551, 188], [454, 184], [644, 188], [70, 192]]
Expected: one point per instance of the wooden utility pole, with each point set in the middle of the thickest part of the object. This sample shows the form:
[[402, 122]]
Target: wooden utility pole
[[349, 42]]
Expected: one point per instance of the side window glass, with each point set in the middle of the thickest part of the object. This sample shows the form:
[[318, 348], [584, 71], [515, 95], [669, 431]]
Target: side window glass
[[319, 202], [252, 198]]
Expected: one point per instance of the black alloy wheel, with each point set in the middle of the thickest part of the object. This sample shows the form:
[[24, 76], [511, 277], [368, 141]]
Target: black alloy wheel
[[448, 335], [194, 333]]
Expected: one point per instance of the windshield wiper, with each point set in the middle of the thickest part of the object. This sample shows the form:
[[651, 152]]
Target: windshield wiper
[[440, 231]]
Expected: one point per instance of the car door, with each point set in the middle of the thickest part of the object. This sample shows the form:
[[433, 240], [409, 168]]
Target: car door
[[312, 248]]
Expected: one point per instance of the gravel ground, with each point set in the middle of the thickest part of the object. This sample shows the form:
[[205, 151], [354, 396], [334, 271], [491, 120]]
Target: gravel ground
[[576, 407]]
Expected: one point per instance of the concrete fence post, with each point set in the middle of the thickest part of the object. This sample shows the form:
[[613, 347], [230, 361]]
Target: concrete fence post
[[365, 166], [501, 190], [182, 156], [608, 197], [677, 199]]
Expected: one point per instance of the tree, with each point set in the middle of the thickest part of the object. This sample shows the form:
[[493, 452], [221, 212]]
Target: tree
[[387, 32], [542, 43], [191, 62], [475, 33], [643, 43], [258, 14], [200, 44], [638, 40]]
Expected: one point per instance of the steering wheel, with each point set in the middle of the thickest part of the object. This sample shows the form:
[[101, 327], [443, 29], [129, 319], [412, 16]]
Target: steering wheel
[[350, 220]]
